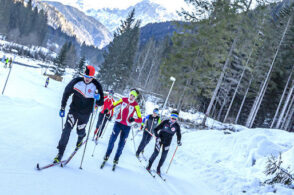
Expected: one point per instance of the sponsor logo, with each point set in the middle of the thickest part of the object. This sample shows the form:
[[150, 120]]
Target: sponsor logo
[[89, 90], [173, 129]]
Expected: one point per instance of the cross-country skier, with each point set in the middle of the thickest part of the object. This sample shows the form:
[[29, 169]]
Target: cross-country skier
[[164, 133], [47, 82], [84, 92], [108, 101], [3, 59], [148, 125], [10, 63], [6, 62], [122, 126]]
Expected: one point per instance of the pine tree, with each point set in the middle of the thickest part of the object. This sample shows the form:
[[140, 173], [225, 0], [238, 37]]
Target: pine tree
[[116, 70], [60, 60], [80, 68]]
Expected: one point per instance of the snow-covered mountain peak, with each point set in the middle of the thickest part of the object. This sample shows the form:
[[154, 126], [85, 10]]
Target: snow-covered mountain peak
[[146, 10]]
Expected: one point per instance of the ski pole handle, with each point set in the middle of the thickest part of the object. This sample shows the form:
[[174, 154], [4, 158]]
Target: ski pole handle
[[172, 159]]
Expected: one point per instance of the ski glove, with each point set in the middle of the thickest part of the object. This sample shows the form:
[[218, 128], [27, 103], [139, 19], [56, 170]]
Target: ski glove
[[179, 143], [61, 112], [96, 97], [107, 115], [131, 119], [106, 111]]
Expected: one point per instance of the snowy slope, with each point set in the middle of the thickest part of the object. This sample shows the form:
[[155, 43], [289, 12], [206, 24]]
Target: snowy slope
[[29, 132], [208, 163]]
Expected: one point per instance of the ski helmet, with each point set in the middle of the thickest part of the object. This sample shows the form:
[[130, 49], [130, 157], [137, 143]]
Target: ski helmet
[[90, 71]]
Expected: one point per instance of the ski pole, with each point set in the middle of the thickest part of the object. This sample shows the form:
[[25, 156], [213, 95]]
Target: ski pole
[[150, 133], [6, 81], [97, 136], [94, 120], [88, 134], [137, 132], [172, 159], [134, 139], [61, 123]]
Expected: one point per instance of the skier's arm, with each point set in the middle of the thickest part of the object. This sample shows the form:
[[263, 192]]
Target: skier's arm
[[115, 104], [112, 111], [179, 135], [139, 119], [67, 92], [160, 126], [100, 102], [143, 123]]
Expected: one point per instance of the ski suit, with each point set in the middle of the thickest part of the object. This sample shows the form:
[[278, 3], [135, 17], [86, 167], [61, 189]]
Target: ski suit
[[151, 123], [122, 124], [108, 101], [80, 109], [164, 133]]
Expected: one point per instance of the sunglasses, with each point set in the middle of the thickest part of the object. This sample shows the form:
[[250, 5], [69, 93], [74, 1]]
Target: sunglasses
[[173, 118], [88, 77]]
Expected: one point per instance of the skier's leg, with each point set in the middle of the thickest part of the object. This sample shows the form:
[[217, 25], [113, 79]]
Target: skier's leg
[[148, 138], [100, 118], [163, 157], [81, 127], [155, 153], [113, 137], [102, 126], [123, 138], [69, 124], [142, 144]]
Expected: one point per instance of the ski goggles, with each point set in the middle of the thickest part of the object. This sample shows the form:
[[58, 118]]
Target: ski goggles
[[156, 111], [88, 77]]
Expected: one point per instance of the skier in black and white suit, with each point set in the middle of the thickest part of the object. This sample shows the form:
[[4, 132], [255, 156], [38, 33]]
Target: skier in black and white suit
[[164, 134], [83, 90]]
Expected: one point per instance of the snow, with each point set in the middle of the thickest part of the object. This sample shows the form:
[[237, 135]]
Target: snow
[[209, 162]]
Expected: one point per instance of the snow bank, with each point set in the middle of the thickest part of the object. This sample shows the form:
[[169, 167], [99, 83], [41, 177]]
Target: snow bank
[[236, 162]]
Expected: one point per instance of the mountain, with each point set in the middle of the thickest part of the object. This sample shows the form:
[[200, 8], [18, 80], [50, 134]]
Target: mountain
[[75, 23], [146, 11]]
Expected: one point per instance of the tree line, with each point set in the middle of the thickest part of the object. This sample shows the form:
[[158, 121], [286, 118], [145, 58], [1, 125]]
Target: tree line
[[232, 61], [22, 24]]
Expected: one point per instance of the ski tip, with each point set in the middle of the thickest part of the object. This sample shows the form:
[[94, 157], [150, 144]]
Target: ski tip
[[61, 165], [81, 168], [38, 166]]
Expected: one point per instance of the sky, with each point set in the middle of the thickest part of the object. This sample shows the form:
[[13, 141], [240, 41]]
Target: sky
[[170, 5]]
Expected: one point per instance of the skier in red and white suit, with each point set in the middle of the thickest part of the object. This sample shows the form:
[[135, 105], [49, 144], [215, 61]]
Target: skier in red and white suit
[[123, 123]]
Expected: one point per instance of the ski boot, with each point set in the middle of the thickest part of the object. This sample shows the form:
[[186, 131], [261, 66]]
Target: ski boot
[[79, 142], [158, 172], [115, 162], [148, 168], [58, 158], [104, 161]]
